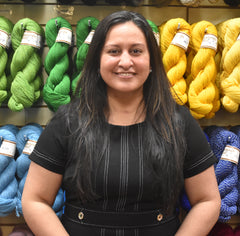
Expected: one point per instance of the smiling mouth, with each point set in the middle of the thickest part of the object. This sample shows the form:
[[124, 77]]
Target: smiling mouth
[[125, 74]]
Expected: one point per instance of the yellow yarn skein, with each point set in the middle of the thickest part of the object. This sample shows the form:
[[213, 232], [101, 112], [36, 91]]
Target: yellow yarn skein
[[230, 76], [190, 55], [174, 57], [203, 97], [221, 31]]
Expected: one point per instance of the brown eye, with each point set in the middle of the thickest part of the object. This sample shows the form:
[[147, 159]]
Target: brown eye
[[114, 51], [136, 51]]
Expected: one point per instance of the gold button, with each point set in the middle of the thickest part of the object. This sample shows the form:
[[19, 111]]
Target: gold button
[[159, 217], [80, 215]]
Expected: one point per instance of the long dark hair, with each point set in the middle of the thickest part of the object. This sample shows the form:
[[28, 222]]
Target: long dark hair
[[163, 130]]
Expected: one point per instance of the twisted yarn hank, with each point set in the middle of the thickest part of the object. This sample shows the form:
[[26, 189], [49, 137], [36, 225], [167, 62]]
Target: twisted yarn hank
[[56, 90], [25, 67], [184, 201], [221, 31], [174, 57], [203, 95], [190, 55], [236, 130], [5, 25], [230, 76], [59, 203], [85, 27], [29, 132], [8, 181], [226, 171]]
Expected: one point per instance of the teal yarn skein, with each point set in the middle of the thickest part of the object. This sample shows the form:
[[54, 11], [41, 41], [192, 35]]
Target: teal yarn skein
[[56, 90], [26, 67], [7, 26], [84, 28]]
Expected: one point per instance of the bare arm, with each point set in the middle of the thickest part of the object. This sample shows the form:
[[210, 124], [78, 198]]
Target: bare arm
[[39, 193], [203, 194]]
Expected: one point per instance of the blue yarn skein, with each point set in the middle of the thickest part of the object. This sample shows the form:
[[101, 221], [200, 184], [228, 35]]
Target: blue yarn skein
[[226, 171], [236, 130], [59, 203], [8, 181], [31, 132], [185, 204], [28, 132]]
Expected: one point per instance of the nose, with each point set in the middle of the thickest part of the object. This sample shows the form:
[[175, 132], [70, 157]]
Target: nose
[[125, 60]]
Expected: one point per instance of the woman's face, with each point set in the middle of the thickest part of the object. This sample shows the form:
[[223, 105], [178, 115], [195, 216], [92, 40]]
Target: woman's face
[[125, 59]]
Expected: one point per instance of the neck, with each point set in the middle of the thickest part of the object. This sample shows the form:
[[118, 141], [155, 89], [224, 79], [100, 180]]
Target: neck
[[125, 109]]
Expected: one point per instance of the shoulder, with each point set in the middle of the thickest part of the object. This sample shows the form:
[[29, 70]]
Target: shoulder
[[65, 119], [183, 111]]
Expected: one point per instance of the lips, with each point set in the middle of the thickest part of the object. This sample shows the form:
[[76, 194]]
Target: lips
[[125, 74]]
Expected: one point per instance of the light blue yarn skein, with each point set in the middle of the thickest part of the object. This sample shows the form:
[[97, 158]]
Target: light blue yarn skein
[[8, 181], [28, 132], [226, 171], [236, 130]]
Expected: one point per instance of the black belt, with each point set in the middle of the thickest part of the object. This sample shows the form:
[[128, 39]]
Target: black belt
[[109, 219]]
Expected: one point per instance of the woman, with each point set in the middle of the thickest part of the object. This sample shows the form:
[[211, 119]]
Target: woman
[[122, 149]]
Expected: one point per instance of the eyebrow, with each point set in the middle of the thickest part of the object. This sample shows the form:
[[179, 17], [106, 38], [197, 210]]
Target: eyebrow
[[117, 45]]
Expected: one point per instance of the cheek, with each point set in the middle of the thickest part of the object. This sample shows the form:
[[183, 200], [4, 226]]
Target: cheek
[[144, 65], [106, 64]]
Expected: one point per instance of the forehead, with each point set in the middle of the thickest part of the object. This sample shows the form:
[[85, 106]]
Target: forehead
[[126, 31]]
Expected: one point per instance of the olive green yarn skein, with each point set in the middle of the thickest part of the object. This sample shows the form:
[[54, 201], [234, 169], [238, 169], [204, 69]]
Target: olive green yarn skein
[[26, 67], [84, 27], [56, 90], [5, 25]]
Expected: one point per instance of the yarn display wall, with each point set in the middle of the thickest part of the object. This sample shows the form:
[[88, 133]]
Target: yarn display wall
[[84, 31], [230, 76], [174, 55], [56, 91], [6, 27], [26, 64], [223, 142], [8, 181], [203, 94]]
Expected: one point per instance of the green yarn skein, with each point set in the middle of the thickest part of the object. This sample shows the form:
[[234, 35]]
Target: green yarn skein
[[84, 27], [56, 91], [25, 67], [5, 25], [154, 29]]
